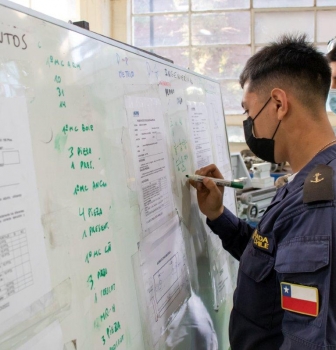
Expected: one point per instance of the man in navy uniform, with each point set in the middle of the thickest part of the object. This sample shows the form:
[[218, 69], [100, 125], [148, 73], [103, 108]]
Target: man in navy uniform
[[286, 288]]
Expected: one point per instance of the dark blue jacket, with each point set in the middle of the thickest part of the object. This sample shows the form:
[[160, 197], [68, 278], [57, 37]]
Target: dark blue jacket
[[300, 227]]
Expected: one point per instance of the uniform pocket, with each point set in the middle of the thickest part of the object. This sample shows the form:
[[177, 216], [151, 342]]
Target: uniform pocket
[[257, 293], [305, 261]]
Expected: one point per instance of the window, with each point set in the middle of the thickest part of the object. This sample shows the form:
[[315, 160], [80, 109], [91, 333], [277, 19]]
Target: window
[[216, 37]]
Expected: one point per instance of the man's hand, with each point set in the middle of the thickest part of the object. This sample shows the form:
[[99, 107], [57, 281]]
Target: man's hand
[[209, 196]]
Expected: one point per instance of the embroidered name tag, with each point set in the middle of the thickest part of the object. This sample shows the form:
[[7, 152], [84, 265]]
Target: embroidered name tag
[[262, 242], [299, 299]]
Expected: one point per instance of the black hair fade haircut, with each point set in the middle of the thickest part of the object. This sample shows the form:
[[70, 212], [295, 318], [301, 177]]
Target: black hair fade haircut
[[291, 62]]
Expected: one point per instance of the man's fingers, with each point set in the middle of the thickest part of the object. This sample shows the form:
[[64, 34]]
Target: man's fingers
[[198, 185], [211, 171], [211, 186]]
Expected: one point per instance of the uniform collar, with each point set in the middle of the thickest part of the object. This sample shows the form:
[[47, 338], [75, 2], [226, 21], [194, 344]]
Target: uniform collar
[[323, 157]]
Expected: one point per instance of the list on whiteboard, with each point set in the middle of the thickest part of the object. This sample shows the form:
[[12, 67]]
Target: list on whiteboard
[[24, 273], [165, 275], [151, 161], [200, 132]]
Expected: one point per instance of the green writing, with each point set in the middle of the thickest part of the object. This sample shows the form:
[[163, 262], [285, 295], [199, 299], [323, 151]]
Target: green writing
[[113, 328], [86, 164], [84, 151], [98, 228], [87, 127], [117, 343], [108, 248], [80, 188], [68, 128], [91, 254], [53, 61], [97, 322], [62, 104], [98, 184], [90, 282], [101, 273], [90, 212], [107, 290]]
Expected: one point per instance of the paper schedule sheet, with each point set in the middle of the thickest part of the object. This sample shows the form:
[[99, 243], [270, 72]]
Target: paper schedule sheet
[[200, 134], [24, 272], [151, 161]]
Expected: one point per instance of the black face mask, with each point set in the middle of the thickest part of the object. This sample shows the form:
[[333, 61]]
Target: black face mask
[[261, 147]]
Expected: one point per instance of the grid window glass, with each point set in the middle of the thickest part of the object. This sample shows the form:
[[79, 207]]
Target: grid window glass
[[216, 37]]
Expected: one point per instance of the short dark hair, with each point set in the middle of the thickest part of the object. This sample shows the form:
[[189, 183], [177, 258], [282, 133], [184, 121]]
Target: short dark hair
[[331, 55], [290, 62]]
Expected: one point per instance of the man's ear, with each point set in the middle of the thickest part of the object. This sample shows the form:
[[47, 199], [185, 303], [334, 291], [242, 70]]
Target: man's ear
[[280, 101]]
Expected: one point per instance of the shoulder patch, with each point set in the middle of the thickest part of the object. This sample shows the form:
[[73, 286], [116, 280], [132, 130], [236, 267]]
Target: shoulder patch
[[262, 242], [318, 185]]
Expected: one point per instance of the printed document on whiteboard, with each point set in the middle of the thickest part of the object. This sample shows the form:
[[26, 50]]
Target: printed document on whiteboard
[[151, 161], [24, 271], [165, 275], [200, 134]]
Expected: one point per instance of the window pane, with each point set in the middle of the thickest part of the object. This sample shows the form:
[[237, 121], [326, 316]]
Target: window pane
[[166, 30], [283, 3], [270, 25], [220, 62], [322, 48], [235, 133], [148, 6], [180, 56], [201, 5], [223, 28], [326, 3], [326, 25], [232, 96]]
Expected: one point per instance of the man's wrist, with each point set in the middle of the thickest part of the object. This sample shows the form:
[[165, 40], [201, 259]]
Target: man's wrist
[[215, 215]]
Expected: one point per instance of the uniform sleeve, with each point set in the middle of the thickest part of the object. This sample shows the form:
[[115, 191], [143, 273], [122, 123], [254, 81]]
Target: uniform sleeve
[[233, 232]]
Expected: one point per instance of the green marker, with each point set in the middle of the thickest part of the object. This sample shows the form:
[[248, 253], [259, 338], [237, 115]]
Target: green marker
[[219, 182]]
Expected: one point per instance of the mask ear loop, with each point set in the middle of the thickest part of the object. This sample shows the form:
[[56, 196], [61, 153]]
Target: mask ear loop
[[276, 130], [261, 109]]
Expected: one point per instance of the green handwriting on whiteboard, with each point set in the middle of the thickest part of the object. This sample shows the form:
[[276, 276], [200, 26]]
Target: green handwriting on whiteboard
[[108, 290], [101, 273], [84, 128], [180, 146], [81, 151], [56, 62], [98, 321], [80, 189], [85, 188], [111, 329], [90, 212], [92, 254], [117, 343], [180, 163], [95, 253], [95, 229], [98, 184], [82, 165]]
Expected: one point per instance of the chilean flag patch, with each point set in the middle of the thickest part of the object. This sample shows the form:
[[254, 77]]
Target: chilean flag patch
[[299, 299]]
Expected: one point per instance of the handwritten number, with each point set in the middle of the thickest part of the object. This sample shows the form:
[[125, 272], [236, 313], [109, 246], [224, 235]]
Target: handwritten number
[[90, 280], [71, 151]]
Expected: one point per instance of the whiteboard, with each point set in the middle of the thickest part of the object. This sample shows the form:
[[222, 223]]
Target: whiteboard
[[102, 245]]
